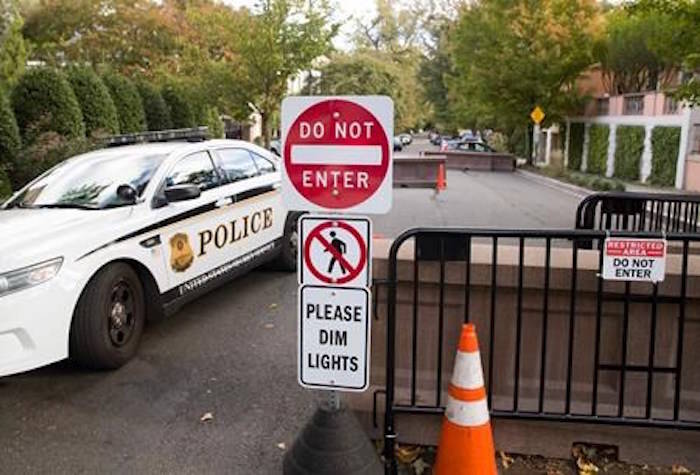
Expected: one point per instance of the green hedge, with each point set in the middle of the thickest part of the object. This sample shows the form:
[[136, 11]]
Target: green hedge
[[99, 111], [5, 188], [181, 114], [216, 126], [629, 145], [46, 151], [598, 149], [576, 145], [126, 98], [10, 142], [157, 114], [665, 142], [43, 101]]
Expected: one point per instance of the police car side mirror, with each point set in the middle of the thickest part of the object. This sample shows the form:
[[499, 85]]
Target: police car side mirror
[[127, 193], [182, 193]]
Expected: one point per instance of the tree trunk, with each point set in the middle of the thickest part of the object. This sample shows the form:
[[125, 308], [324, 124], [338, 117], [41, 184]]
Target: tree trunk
[[265, 124]]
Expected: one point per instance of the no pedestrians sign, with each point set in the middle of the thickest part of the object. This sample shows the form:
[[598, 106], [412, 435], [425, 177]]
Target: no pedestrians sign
[[337, 153], [335, 250]]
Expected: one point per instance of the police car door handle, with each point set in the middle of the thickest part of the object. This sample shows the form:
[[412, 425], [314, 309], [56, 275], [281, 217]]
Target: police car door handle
[[224, 202]]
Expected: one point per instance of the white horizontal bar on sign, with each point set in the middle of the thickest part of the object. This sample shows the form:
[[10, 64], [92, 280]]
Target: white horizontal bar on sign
[[336, 155]]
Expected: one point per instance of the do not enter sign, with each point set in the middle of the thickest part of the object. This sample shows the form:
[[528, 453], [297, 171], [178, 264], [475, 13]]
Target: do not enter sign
[[337, 153]]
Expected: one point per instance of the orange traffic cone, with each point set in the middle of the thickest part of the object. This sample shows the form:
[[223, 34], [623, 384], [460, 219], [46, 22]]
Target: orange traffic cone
[[466, 441], [441, 184]]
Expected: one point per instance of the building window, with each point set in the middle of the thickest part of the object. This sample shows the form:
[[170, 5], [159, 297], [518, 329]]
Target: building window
[[695, 147], [670, 105], [634, 105], [602, 106]]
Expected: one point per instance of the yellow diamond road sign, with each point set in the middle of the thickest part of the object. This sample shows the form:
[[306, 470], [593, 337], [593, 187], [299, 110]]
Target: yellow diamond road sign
[[537, 115]]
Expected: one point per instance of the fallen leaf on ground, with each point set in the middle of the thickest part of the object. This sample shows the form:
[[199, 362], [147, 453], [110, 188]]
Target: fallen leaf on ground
[[208, 416], [269, 325], [506, 461], [273, 306], [406, 454], [282, 446], [586, 468], [420, 467], [677, 469]]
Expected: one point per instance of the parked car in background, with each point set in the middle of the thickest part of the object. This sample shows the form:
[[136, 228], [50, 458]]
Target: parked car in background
[[473, 145], [434, 137], [406, 138], [398, 145], [276, 147]]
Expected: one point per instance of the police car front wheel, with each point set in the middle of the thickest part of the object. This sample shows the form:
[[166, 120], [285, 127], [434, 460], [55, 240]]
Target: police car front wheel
[[109, 318]]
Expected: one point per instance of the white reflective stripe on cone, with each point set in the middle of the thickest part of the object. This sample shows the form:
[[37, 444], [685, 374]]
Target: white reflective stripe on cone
[[467, 373], [467, 414]]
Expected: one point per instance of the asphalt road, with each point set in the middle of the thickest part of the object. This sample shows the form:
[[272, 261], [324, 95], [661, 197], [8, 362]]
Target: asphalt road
[[231, 354]]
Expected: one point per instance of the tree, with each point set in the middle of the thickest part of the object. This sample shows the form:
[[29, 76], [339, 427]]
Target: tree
[[284, 38], [9, 139], [13, 50], [43, 101], [176, 98], [157, 114], [99, 111], [127, 100], [509, 57], [128, 35], [371, 73]]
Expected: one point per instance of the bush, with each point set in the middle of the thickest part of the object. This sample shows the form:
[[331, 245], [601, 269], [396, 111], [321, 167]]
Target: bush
[[127, 100], [181, 114], [5, 188], [598, 149], [665, 142], [629, 145], [99, 111], [157, 115], [576, 145], [46, 151], [216, 126], [43, 101], [9, 138]]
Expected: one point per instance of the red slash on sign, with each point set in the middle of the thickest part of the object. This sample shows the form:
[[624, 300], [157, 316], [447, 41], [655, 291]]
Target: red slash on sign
[[352, 271]]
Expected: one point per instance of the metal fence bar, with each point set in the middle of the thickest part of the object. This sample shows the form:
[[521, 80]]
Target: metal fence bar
[[681, 328], [545, 317]]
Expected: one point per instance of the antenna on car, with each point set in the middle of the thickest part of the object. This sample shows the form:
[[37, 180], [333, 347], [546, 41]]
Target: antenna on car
[[194, 134]]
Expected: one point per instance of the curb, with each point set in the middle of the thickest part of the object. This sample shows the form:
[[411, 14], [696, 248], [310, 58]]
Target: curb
[[554, 183]]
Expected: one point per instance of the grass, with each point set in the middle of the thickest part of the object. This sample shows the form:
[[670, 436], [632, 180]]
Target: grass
[[584, 180]]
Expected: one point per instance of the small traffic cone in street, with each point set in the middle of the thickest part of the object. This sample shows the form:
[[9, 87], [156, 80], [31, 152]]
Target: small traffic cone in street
[[441, 184], [466, 442]]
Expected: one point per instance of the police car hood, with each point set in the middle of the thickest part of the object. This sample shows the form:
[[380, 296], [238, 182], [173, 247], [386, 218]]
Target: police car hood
[[29, 236]]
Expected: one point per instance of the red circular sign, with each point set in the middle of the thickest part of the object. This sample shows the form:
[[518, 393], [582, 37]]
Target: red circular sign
[[353, 271], [336, 154]]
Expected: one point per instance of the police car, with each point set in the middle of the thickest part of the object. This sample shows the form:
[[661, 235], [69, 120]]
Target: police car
[[106, 241]]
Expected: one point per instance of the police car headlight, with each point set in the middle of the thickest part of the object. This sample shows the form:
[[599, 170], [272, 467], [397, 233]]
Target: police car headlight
[[29, 276]]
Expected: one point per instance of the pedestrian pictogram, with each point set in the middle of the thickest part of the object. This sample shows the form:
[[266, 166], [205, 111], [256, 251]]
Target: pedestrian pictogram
[[335, 250], [337, 153]]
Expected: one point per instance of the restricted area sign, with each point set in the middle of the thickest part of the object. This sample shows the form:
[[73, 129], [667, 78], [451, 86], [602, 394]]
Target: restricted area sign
[[334, 336], [337, 153], [335, 250], [638, 260]]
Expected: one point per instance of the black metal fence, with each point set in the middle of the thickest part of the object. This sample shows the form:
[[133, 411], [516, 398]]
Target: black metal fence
[[661, 212], [558, 342]]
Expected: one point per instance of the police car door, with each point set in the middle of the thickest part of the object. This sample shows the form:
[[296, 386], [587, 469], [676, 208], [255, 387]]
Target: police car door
[[188, 266], [255, 218]]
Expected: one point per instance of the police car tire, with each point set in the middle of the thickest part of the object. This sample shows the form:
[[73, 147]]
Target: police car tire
[[90, 343], [287, 259]]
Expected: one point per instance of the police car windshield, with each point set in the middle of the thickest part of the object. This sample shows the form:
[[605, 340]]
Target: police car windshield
[[89, 183]]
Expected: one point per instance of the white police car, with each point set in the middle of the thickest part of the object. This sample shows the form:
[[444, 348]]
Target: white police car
[[107, 240]]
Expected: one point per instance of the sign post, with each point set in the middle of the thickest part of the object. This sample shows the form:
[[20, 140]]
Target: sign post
[[337, 158]]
